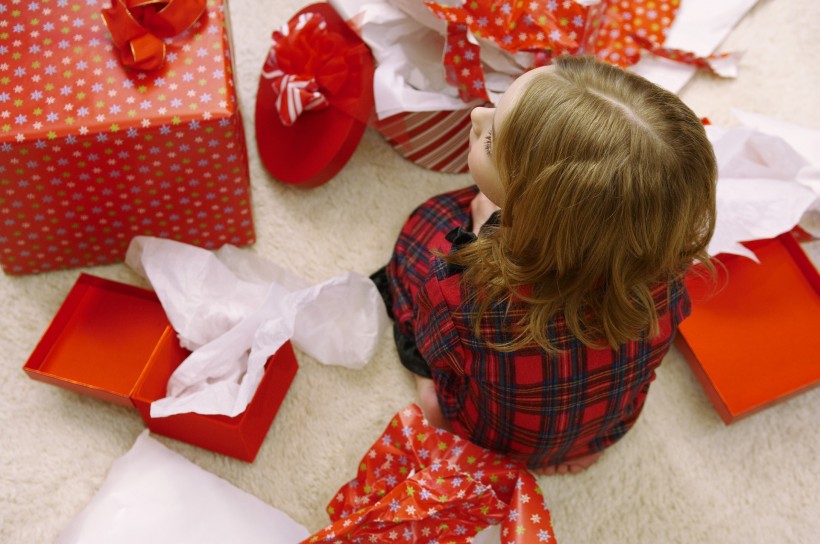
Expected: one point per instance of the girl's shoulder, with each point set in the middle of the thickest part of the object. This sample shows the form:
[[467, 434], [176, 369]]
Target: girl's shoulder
[[671, 298]]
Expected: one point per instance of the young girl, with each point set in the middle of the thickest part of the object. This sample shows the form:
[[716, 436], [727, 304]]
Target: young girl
[[538, 333]]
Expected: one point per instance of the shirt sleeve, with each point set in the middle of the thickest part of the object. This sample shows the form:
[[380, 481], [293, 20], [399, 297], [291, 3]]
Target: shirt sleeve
[[439, 343]]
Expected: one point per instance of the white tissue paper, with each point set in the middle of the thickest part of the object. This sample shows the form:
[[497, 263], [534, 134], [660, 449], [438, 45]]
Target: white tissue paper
[[407, 42], [234, 310], [765, 187], [806, 142], [152, 494]]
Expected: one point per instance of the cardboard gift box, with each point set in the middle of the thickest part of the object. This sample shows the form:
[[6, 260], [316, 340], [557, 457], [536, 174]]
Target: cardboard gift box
[[436, 140], [753, 337], [93, 153], [113, 341]]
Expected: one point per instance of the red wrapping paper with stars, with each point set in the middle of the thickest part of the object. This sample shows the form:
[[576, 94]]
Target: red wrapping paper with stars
[[93, 153], [614, 31], [422, 484]]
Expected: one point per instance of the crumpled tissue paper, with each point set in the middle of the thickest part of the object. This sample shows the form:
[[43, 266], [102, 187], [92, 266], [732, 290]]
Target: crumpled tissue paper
[[234, 310], [766, 186]]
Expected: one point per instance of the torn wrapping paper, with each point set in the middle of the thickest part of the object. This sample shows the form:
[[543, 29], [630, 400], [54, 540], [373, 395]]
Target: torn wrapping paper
[[234, 310], [700, 26], [618, 32], [765, 186], [425, 117], [152, 494], [422, 484], [409, 42]]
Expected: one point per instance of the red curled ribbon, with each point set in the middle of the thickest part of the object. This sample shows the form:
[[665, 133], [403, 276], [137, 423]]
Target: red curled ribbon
[[138, 27], [308, 66]]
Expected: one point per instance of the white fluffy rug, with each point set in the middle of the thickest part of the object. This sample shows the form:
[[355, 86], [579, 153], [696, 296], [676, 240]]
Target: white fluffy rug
[[679, 476]]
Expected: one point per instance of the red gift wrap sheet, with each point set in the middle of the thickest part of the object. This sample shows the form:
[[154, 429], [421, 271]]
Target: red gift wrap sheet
[[93, 153], [753, 337], [113, 341], [422, 484]]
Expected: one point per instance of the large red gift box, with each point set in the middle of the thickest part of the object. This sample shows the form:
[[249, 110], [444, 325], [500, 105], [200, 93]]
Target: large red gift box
[[113, 341], [753, 337], [93, 153]]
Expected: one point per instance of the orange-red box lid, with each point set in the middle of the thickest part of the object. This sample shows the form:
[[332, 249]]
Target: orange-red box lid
[[753, 337], [100, 340], [113, 341]]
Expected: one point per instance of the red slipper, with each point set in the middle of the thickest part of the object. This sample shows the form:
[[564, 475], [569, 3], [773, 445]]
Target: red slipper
[[315, 97]]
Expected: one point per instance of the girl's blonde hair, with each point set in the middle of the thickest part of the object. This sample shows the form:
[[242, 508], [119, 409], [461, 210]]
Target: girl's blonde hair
[[609, 188]]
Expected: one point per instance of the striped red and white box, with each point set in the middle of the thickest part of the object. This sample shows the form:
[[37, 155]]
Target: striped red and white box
[[436, 140]]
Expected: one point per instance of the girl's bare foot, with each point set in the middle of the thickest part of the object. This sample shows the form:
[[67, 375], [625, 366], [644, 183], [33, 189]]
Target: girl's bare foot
[[428, 402], [573, 466]]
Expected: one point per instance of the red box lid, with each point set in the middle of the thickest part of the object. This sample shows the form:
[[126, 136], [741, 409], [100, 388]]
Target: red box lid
[[113, 341], [753, 337], [100, 339]]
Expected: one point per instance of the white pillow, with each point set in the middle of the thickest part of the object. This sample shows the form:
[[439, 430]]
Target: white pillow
[[153, 494]]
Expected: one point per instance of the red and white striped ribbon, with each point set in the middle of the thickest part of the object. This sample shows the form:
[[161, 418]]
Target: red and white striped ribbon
[[294, 93], [436, 140]]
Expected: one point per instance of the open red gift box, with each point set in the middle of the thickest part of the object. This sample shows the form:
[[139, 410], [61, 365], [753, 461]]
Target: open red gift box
[[113, 341], [753, 337]]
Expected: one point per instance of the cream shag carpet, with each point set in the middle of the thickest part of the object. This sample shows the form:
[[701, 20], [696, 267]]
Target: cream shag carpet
[[679, 476]]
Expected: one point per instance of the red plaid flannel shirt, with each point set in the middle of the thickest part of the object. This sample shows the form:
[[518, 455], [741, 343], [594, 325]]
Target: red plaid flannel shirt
[[544, 408]]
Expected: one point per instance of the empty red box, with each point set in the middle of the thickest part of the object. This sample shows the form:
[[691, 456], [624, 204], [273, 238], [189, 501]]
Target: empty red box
[[113, 341], [754, 334]]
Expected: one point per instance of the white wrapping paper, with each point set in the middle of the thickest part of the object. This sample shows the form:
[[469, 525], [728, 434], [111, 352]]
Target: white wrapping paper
[[155, 495], [234, 310]]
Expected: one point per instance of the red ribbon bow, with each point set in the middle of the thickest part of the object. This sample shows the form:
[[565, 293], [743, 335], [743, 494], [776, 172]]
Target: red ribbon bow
[[307, 65], [138, 27]]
